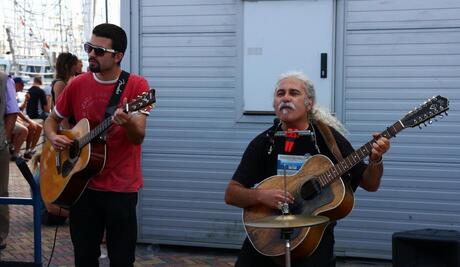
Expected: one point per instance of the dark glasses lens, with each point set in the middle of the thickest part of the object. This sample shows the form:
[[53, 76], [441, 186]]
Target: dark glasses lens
[[99, 51]]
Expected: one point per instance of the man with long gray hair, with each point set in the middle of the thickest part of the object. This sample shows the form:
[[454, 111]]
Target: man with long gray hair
[[269, 153]]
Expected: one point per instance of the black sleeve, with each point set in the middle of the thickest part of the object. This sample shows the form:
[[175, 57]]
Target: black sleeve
[[256, 164], [43, 99], [247, 172], [354, 176]]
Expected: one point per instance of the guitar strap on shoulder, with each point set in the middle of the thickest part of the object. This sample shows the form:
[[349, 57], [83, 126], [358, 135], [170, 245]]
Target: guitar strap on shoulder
[[117, 91], [333, 147], [115, 98], [329, 139]]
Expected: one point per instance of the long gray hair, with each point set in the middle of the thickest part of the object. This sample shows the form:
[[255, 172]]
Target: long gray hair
[[317, 112]]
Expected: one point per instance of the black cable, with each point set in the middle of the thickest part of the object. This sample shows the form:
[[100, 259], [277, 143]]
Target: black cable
[[271, 135], [54, 241], [38, 144]]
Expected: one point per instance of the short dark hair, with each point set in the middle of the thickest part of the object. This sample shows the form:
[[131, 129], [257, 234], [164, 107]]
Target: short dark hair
[[38, 80], [114, 33]]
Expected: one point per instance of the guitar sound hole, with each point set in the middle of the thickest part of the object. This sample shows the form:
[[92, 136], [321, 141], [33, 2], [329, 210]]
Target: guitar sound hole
[[66, 168], [74, 150], [310, 189]]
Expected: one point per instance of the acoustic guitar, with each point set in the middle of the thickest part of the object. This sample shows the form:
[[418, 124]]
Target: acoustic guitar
[[65, 174], [318, 190]]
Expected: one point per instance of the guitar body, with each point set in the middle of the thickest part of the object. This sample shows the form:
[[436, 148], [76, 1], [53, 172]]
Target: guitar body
[[65, 174], [335, 201]]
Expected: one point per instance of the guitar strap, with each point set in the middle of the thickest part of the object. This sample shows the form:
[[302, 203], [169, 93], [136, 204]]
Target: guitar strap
[[332, 145], [329, 139], [117, 91], [115, 98]]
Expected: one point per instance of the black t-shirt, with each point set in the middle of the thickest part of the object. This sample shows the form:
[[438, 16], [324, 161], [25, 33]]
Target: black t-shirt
[[257, 164], [37, 102]]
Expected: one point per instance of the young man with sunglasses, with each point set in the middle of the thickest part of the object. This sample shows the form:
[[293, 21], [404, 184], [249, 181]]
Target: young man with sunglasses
[[109, 201]]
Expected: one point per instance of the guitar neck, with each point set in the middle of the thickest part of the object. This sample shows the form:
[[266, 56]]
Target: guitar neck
[[94, 133], [346, 164]]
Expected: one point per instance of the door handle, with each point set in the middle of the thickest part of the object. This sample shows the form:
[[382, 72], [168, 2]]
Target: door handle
[[323, 73]]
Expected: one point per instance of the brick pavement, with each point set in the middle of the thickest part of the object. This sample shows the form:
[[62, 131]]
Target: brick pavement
[[21, 246]]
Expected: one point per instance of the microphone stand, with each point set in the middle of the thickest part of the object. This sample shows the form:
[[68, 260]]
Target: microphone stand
[[297, 132], [286, 232]]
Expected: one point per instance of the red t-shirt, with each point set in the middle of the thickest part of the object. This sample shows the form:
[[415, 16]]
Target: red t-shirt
[[86, 97]]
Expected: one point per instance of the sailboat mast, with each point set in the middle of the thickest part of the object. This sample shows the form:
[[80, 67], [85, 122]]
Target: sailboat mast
[[14, 68]]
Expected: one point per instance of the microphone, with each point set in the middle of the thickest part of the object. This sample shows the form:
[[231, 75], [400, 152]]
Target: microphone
[[271, 135]]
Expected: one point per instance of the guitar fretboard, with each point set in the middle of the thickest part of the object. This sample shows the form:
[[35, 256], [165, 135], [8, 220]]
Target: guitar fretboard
[[346, 164], [142, 101], [98, 130]]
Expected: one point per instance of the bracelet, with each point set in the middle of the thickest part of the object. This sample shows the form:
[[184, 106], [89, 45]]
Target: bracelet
[[378, 162]]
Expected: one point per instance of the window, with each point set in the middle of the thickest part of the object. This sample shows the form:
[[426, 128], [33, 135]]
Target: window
[[280, 36]]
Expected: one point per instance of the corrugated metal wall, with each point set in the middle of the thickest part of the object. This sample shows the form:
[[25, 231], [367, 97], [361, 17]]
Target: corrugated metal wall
[[396, 54], [189, 54]]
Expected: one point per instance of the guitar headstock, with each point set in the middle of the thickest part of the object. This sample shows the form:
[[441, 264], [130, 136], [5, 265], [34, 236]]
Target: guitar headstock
[[428, 110], [142, 101]]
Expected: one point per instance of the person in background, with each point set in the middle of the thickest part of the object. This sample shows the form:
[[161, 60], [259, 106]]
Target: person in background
[[110, 199], [79, 67], [18, 137], [66, 68], [25, 129], [295, 107], [34, 131], [8, 113], [47, 89], [19, 86], [37, 107]]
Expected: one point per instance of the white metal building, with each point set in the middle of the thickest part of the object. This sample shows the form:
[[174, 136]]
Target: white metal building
[[214, 64]]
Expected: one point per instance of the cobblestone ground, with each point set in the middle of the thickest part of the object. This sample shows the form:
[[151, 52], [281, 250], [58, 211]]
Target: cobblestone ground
[[20, 246]]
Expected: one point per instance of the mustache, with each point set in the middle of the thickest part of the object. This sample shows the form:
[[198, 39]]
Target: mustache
[[283, 105]]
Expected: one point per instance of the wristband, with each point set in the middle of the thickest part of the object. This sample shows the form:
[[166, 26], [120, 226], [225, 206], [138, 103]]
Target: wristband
[[378, 162]]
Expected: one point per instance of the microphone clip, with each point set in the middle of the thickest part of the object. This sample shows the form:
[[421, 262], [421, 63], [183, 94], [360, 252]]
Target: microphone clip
[[291, 135]]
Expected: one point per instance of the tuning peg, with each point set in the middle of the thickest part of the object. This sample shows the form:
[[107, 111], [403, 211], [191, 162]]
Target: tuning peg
[[447, 114], [430, 122], [424, 124], [420, 126]]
